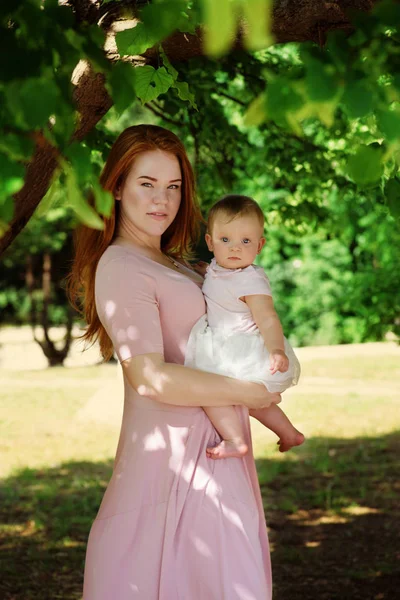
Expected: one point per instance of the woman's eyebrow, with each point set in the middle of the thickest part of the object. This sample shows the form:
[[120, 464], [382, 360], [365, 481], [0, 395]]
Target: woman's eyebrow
[[154, 179]]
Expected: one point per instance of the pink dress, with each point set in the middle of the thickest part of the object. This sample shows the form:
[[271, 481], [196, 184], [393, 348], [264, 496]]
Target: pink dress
[[173, 524]]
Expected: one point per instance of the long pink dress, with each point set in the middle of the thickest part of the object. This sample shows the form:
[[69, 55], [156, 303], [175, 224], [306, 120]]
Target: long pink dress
[[173, 524]]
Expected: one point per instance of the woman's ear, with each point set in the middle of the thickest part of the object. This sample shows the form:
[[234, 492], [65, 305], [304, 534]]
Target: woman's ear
[[261, 243], [117, 193], [209, 242]]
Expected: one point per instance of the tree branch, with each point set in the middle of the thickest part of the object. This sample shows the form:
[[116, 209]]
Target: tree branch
[[160, 114]]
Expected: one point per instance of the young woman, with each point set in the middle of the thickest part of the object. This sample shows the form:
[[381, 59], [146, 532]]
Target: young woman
[[173, 523]]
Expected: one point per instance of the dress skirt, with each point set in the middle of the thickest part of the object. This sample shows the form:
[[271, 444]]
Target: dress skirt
[[197, 532]]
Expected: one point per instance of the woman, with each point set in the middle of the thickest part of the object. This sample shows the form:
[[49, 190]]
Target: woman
[[173, 523]]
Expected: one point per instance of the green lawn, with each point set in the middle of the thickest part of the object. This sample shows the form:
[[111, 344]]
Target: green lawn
[[332, 505]]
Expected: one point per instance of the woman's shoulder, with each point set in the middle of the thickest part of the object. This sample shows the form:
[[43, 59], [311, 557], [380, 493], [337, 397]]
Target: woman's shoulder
[[117, 256], [117, 265]]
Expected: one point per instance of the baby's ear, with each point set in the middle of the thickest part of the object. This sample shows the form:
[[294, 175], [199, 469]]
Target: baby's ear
[[209, 242], [261, 243]]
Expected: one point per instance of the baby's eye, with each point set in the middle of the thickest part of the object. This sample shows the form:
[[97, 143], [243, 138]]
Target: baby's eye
[[224, 239], [246, 241]]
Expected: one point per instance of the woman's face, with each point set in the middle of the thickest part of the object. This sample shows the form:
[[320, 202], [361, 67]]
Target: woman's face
[[151, 195]]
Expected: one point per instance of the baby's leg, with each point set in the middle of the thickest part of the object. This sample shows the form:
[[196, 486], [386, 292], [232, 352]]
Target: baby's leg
[[275, 419], [227, 423]]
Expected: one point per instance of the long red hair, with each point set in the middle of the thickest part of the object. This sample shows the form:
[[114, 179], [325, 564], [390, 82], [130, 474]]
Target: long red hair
[[178, 240]]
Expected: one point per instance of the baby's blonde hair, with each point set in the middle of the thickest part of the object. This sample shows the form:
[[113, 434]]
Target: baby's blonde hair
[[233, 206]]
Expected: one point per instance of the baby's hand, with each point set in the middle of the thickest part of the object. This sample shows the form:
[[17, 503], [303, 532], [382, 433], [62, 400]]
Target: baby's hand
[[278, 361]]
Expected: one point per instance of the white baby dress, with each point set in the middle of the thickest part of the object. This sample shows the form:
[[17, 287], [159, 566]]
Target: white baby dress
[[227, 340]]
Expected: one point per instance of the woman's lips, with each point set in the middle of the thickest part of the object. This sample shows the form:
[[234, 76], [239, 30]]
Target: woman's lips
[[157, 216]]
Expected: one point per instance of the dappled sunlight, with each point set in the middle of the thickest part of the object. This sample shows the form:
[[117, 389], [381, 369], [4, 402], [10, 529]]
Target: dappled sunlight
[[201, 546], [110, 308], [154, 441]]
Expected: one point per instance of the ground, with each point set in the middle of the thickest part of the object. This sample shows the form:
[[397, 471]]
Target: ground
[[331, 505]]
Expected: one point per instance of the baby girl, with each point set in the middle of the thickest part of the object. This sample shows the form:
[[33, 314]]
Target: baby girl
[[241, 335]]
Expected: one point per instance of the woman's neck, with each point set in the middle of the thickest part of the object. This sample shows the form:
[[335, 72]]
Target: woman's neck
[[138, 239]]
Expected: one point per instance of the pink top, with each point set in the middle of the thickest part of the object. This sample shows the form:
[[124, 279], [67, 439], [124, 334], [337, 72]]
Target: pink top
[[173, 524], [223, 289]]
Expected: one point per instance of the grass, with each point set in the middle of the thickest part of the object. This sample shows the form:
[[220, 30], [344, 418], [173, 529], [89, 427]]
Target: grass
[[331, 505]]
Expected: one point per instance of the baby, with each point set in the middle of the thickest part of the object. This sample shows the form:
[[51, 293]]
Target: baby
[[241, 335]]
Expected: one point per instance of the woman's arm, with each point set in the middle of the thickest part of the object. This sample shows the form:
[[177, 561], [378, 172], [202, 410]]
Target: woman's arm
[[175, 384]]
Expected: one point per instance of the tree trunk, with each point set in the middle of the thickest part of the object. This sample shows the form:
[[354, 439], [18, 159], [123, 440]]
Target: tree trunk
[[54, 355]]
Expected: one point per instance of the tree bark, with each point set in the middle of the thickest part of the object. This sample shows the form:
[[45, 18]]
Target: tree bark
[[293, 20]]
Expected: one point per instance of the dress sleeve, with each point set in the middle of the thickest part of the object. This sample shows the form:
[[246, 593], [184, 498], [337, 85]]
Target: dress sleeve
[[127, 305], [252, 281]]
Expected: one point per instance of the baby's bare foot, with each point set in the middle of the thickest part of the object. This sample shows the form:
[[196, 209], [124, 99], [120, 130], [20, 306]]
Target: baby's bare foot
[[296, 438], [228, 449]]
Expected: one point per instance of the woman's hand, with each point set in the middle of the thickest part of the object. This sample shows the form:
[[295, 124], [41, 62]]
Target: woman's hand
[[200, 267], [278, 362], [265, 400]]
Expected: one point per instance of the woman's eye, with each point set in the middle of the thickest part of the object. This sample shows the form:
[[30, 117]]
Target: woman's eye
[[174, 186], [146, 183]]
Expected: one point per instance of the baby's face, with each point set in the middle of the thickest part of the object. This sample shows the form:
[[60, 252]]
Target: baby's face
[[235, 243]]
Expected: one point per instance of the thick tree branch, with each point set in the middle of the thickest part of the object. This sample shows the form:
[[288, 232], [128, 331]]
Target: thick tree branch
[[92, 101], [293, 20]]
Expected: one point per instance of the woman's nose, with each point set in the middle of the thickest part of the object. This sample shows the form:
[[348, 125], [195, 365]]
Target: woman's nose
[[160, 197]]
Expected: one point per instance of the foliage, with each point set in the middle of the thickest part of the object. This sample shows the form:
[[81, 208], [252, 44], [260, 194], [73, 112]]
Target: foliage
[[49, 230], [356, 75]]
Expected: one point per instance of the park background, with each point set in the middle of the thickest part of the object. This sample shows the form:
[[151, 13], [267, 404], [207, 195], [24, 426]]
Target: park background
[[296, 105]]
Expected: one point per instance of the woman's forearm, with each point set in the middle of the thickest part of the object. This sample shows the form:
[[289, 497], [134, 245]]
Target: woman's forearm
[[175, 384]]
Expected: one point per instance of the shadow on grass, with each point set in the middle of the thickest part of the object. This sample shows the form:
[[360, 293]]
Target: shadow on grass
[[332, 509]]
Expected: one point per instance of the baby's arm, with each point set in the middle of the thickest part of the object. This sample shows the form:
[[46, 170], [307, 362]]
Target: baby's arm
[[267, 321]]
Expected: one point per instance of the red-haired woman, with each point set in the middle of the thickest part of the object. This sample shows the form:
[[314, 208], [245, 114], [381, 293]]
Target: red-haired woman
[[173, 523]]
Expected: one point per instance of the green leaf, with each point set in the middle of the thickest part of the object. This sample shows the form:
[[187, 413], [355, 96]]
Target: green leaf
[[257, 14], [320, 81], [392, 193], [162, 17], [357, 99], [11, 177], [104, 199], [32, 101], [184, 93], [78, 203], [79, 155], [365, 165], [220, 26], [135, 41], [255, 114], [121, 85], [150, 82], [166, 62], [282, 99], [51, 195], [389, 123], [18, 147]]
